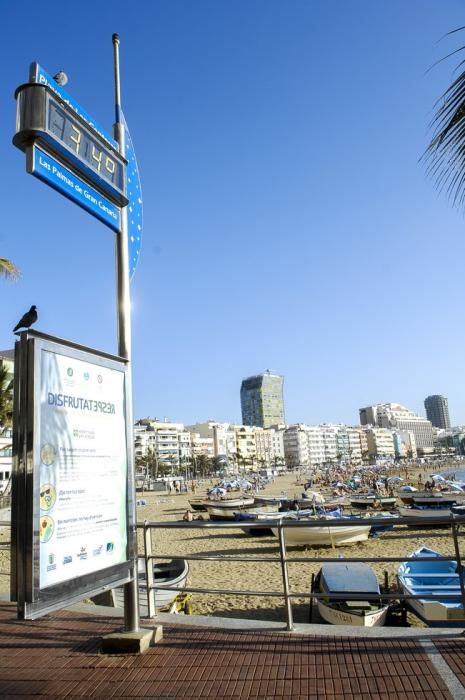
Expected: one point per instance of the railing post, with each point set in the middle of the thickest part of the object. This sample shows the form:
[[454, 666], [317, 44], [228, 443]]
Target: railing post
[[459, 560], [149, 569], [282, 554]]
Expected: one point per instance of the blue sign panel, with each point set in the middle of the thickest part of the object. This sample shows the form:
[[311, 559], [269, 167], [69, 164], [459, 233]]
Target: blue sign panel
[[134, 193], [55, 174], [38, 75]]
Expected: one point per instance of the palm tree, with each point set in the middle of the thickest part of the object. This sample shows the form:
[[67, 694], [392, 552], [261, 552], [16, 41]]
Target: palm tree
[[6, 398], [8, 270], [445, 155]]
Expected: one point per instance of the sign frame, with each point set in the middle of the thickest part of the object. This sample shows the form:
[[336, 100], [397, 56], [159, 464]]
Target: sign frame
[[33, 601]]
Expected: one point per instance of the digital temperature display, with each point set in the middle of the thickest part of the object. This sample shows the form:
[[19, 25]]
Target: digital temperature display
[[82, 144], [43, 118]]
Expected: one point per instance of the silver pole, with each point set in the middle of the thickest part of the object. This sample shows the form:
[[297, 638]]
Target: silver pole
[[131, 597]]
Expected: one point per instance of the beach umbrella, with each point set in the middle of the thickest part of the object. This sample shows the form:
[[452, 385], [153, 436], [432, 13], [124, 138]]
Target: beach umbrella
[[217, 490], [437, 477], [408, 489], [395, 478]]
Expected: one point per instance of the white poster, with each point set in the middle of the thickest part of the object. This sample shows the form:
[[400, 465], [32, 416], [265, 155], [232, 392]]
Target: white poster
[[83, 468]]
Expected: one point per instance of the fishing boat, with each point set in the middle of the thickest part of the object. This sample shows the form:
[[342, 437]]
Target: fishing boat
[[171, 573], [419, 577], [224, 510], [340, 580], [198, 504], [368, 501], [269, 500], [318, 535], [263, 517], [422, 514]]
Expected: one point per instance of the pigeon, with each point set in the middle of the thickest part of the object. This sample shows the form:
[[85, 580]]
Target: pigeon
[[61, 78], [28, 319]]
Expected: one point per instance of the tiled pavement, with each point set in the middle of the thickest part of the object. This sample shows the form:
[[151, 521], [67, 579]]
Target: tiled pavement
[[59, 656]]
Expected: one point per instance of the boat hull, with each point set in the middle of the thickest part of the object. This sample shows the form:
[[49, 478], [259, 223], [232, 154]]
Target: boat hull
[[368, 502], [321, 536], [335, 616], [432, 578], [162, 575]]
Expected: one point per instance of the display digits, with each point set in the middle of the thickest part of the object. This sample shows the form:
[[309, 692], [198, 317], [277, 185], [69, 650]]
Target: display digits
[[75, 137], [83, 145], [97, 156], [110, 165]]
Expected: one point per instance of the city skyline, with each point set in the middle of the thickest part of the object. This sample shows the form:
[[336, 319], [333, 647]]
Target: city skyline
[[288, 218]]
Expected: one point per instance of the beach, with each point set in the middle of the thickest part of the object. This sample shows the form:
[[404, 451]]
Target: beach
[[262, 575], [267, 576]]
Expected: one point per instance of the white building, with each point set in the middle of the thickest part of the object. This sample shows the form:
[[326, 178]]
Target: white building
[[380, 443], [394, 416], [169, 442]]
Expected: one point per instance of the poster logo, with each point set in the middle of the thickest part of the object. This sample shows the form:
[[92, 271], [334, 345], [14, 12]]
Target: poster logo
[[69, 372]]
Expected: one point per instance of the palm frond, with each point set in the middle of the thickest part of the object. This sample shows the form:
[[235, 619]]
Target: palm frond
[[445, 154], [8, 269]]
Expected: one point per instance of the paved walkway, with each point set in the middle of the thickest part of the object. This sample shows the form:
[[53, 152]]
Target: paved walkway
[[59, 656]]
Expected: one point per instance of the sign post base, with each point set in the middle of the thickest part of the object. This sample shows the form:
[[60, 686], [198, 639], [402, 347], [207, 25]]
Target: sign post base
[[132, 642]]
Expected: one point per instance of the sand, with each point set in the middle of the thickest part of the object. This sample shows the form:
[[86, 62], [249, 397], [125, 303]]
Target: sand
[[256, 576], [266, 576]]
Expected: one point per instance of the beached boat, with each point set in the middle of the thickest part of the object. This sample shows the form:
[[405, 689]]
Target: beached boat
[[224, 510], [264, 516], [171, 573], [431, 497], [198, 504], [368, 501], [318, 535], [419, 577], [269, 500], [341, 580], [422, 514]]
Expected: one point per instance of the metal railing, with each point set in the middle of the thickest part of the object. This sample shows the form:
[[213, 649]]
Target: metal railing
[[281, 525]]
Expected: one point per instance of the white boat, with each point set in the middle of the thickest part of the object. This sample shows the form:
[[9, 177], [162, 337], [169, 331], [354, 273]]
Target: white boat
[[423, 514], [269, 500], [340, 580], [417, 577], [317, 535], [171, 573], [367, 501], [224, 510]]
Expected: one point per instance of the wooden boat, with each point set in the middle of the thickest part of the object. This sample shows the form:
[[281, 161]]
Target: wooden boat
[[198, 504], [431, 497], [422, 514], [341, 580], [269, 500], [318, 535], [417, 577], [368, 501], [170, 573], [224, 510], [264, 516]]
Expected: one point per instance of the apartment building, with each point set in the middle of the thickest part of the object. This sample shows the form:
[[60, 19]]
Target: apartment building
[[394, 416]]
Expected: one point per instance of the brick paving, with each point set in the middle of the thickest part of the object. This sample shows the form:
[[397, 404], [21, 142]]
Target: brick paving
[[59, 656]]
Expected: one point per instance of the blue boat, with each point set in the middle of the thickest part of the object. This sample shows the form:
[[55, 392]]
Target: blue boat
[[418, 577]]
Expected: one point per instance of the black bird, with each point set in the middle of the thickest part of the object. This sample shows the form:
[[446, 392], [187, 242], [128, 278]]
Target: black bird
[[28, 319]]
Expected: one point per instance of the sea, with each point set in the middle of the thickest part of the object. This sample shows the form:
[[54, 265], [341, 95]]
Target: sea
[[458, 474]]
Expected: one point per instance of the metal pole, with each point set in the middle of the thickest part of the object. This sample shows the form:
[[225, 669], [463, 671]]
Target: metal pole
[[131, 597], [282, 554], [459, 561]]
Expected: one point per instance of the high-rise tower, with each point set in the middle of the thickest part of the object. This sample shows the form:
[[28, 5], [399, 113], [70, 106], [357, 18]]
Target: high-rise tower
[[262, 401], [437, 411]]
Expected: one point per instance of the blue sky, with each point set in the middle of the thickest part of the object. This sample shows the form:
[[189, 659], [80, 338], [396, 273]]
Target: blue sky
[[288, 223]]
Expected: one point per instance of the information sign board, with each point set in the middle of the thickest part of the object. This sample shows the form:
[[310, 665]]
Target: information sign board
[[70, 488], [46, 168]]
